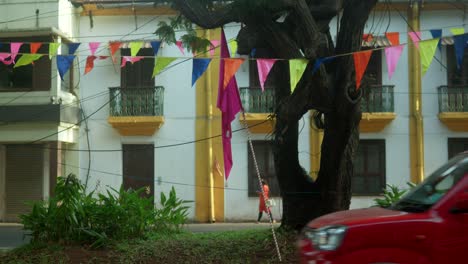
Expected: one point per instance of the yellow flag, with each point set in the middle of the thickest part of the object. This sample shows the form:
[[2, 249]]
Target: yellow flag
[[296, 70], [26, 59], [457, 31], [427, 50], [135, 47], [161, 63], [233, 47], [53, 47]]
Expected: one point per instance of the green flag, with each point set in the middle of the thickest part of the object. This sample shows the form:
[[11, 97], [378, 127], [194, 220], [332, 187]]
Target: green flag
[[26, 59], [53, 47], [296, 70], [457, 31], [233, 47], [161, 63], [135, 47], [427, 51]]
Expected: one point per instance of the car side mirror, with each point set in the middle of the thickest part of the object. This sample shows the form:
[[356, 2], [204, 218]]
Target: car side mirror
[[461, 204]]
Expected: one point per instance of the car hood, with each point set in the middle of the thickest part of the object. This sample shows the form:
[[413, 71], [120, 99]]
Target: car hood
[[357, 216]]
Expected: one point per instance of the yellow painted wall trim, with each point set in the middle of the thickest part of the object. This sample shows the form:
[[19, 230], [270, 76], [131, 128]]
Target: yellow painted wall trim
[[136, 125], [257, 124], [426, 6], [127, 11], [375, 122], [455, 121], [315, 141]]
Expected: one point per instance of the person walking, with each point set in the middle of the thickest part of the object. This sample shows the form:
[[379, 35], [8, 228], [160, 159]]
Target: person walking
[[262, 207]]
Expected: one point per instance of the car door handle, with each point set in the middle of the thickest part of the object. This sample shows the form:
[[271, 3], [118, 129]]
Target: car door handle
[[420, 237]]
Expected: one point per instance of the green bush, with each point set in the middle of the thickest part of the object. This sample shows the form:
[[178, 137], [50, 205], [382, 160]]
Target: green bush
[[391, 194], [71, 216]]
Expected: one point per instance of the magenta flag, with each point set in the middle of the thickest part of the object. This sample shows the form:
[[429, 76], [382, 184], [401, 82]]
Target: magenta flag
[[415, 37], [4, 57], [14, 49], [213, 47], [93, 46], [180, 46], [393, 54], [230, 104], [264, 67]]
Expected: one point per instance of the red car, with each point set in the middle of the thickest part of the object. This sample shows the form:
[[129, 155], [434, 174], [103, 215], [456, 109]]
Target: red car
[[428, 225]]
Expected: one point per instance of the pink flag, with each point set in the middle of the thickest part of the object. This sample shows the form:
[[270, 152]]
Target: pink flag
[[213, 47], [393, 54], [131, 59], [264, 67], [14, 48], [415, 37], [181, 48], [93, 46], [3, 58], [230, 104]]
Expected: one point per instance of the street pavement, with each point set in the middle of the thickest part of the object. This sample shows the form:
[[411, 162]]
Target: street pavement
[[13, 235]]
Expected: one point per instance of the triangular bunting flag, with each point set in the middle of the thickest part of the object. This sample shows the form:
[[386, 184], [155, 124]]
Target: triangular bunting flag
[[233, 47], [53, 48], [155, 45], [72, 47], [131, 59], [114, 47], [264, 67], [89, 63], [393, 37], [320, 61], [230, 68], [230, 104], [199, 67], [415, 37], [457, 31], [361, 59], [14, 49], [34, 47], [296, 70], [437, 33], [93, 46], [460, 43], [393, 55], [135, 46], [63, 64], [214, 45], [181, 48], [26, 59], [3, 58], [427, 50], [161, 63]]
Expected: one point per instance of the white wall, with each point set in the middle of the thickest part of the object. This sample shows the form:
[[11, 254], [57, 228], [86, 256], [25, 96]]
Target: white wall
[[2, 182]]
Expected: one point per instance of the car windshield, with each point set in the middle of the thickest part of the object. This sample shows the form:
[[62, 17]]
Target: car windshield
[[434, 187]]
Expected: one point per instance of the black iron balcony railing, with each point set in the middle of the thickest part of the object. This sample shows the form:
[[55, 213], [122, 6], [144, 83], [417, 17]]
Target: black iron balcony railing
[[378, 98], [453, 99], [256, 101], [138, 101]]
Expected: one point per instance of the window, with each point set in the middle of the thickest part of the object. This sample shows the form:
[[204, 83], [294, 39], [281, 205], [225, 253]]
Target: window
[[32, 77], [266, 166], [456, 77], [373, 73], [138, 74], [457, 145], [369, 168]]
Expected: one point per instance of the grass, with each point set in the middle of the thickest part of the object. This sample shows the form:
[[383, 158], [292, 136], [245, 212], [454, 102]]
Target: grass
[[247, 246]]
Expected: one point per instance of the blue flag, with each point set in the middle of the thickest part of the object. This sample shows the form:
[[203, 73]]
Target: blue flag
[[72, 47], [155, 45], [319, 62], [199, 67], [437, 33], [460, 41], [63, 64]]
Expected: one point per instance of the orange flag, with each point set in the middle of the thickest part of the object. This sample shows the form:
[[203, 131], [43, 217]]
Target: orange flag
[[230, 68], [114, 46], [361, 59], [393, 37], [35, 47]]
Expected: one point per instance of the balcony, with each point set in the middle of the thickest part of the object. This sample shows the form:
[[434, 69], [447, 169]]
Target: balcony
[[258, 106], [453, 107], [136, 111], [378, 108]]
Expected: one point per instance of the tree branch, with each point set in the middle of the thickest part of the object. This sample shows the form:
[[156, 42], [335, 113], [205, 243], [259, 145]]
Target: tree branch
[[199, 14]]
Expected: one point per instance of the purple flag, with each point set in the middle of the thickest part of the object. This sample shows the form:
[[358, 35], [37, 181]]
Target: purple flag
[[393, 54], [230, 104], [64, 63]]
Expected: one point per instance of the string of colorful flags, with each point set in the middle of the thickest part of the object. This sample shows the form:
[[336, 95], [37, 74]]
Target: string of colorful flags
[[297, 67]]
